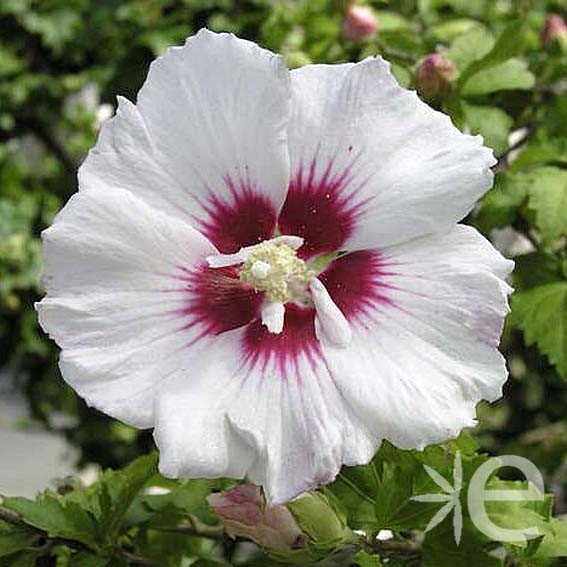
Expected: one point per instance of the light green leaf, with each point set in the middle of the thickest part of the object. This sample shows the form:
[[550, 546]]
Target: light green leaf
[[56, 517], [548, 199], [510, 75], [491, 123], [363, 559], [541, 313], [555, 544], [449, 30], [509, 44], [470, 47]]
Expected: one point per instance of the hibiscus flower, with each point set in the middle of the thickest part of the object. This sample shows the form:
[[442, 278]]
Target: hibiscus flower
[[266, 268]]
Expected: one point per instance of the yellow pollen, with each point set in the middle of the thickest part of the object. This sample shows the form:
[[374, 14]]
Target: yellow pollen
[[272, 268]]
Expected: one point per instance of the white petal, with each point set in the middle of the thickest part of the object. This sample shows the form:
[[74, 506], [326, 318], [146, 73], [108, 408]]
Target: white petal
[[210, 123], [330, 323], [192, 431], [110, 266], [419, 362], [273, 315], [406, 170], [300, 427], [283, 425]]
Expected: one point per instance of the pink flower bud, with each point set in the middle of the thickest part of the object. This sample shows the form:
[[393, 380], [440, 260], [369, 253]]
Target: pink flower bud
[[360, 23], [244, 513], [434, 75], [555, 30]]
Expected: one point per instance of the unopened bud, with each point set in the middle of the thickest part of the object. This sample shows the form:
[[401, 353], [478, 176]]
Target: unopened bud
[[320, 520], [360, 23], [305, 530], [244, 513], [555, 31], [434, 75]]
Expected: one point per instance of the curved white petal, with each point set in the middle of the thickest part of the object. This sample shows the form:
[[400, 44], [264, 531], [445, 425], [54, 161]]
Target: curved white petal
[[375, 160], [113, 299], [207, 136], [192, 431], [280, 422], [425, 353]]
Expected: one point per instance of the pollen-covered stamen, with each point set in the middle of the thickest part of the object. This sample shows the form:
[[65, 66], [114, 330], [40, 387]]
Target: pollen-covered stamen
[[275, 269]]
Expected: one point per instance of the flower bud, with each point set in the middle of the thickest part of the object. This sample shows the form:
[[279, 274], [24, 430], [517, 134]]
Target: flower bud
[[244, 513], [359, 23], [320, 520], [555, 31], [305, 530], [434, 75]]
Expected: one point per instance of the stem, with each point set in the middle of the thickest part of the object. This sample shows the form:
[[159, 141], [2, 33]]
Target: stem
[[530, 131], [212, 532]]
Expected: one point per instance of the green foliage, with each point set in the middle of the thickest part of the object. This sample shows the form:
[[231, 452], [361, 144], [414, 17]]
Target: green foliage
[[60, 60]]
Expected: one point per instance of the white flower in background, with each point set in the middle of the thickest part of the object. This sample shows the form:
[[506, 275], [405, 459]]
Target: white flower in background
[[177, 307]]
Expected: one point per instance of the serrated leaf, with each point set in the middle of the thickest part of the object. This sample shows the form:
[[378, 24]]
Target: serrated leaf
[[510, 75], [548, 199], [541, 313], [55, 516], [111, 497]]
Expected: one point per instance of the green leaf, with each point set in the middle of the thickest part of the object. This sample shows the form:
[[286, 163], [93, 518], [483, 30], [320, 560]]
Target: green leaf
[[554, 544], [123, 486], [363, 559], [55, 516], [182, 499], [440, 548], [510, 75], [15, 538], [509, 44], [519, 514], [536, 269], [548, 199], [491, 123], [541, 313], [501, 205], [470, 47], [449, 30], [21, 559]]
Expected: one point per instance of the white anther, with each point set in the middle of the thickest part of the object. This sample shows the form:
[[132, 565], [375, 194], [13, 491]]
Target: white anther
[[260, 269]]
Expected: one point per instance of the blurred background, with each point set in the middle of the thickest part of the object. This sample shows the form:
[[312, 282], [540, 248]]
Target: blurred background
[[62, 62]]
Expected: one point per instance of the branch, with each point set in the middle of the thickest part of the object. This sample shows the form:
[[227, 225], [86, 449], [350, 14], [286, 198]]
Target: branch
[[12, 518], [211, 532], [529, 132]]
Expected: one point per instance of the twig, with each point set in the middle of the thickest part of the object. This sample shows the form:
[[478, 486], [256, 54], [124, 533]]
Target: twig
[[212, 532], [136, 560], [12, 518], [529, 132]]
